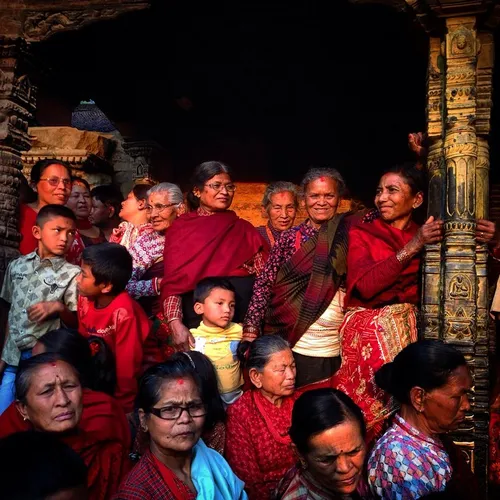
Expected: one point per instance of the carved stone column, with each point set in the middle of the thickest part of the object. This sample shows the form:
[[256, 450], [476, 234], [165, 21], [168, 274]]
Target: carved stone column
[[17, 105], [454, 299]]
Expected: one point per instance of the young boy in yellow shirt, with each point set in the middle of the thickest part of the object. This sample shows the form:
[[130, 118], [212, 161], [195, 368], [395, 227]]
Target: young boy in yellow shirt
[[217, 337]]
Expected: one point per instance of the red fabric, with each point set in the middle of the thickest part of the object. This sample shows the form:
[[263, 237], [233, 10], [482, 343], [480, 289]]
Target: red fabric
[[198, 246], [74, 255], [252, 450], [83, 224], [375, 277], [124, 326], [146, 483], [494, 465], [27, 219], [371, 338], [103, 440]]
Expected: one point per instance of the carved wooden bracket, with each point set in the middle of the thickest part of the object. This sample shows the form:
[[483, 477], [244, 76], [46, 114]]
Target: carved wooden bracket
[[38, 20]]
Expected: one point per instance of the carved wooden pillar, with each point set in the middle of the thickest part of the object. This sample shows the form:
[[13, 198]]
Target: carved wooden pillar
[[17, 105], [454, 296]]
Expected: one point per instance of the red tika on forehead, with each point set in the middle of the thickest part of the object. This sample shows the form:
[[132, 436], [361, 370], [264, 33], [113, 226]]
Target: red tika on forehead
[[180, 381], [322, 179]]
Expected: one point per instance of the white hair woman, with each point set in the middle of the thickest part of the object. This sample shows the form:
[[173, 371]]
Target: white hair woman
[[279, 206]]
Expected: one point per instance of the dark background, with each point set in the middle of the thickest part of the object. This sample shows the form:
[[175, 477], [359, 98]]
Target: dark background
[[275, 86]]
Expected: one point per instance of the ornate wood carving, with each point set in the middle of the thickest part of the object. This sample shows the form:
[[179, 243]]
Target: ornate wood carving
[[17, 105], [41, 24]]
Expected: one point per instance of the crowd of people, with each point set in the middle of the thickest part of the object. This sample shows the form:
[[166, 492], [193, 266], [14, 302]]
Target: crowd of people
[[159, 346]]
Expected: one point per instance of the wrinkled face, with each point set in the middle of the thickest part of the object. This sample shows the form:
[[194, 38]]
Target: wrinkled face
[[100, 213], [321, 199], [336, 457], [86, 283], [175, 435], [215, 196], [79, 201], [277, 379], [57, 235], [54, 398], [131, 206], [161, 211], [445, 408], [50, 194], [282, 210], [394, 198], [218, 308]]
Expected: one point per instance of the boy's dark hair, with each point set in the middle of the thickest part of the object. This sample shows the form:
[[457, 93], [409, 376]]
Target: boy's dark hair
[[206, 285], [48, 466], [49, 212], [108, 195], [110, 263]]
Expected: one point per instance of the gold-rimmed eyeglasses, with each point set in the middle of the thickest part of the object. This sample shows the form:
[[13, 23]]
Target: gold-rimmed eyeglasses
[[218, 186]]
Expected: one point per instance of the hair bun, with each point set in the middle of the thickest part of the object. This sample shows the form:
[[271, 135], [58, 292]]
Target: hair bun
[[384, 377]]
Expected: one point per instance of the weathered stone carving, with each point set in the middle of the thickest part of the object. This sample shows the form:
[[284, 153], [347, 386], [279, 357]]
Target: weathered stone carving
[[88, 153]]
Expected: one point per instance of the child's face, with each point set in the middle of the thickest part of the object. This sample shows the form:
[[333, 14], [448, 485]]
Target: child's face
[[86, 283], [218, 308], [56, 236]]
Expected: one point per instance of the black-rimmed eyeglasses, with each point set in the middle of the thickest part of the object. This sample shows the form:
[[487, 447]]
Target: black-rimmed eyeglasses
[[175, 411]]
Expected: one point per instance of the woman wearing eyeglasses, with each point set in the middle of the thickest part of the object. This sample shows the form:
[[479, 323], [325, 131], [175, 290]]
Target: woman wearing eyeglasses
[[51, 181], [178, 464], [209, 241]]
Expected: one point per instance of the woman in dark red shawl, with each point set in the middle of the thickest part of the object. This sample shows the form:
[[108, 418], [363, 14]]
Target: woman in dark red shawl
[[210, 241], [50, 399], [383, 259]]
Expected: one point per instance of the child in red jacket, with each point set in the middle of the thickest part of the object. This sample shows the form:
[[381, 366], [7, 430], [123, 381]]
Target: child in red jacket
[[106, 310]]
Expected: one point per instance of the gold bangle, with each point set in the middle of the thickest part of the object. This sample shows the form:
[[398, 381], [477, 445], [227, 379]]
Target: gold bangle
[[402, 256]]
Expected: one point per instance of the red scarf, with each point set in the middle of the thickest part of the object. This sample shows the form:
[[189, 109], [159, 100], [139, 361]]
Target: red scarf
[[200, 246], [371, 243]]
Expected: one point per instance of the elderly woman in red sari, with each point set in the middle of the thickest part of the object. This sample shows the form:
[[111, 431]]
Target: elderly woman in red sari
[[258, 446], [50, 399], [209, 241], [299, 294], [279, 205]]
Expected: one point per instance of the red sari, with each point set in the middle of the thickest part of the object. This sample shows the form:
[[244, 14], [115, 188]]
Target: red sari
[[103, 441], [258, 447], [381, 316]]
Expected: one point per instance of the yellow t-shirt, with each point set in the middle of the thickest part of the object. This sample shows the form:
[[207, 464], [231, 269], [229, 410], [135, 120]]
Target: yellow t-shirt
[[220, 345]]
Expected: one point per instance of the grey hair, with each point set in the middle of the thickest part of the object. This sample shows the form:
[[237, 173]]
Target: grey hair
[[262, 348], [279, 187], [174, 191], [316, 172]]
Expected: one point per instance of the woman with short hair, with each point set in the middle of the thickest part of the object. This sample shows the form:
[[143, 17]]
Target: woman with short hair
[[414, 458], [328, 432], [258, 446], [178, 464]]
